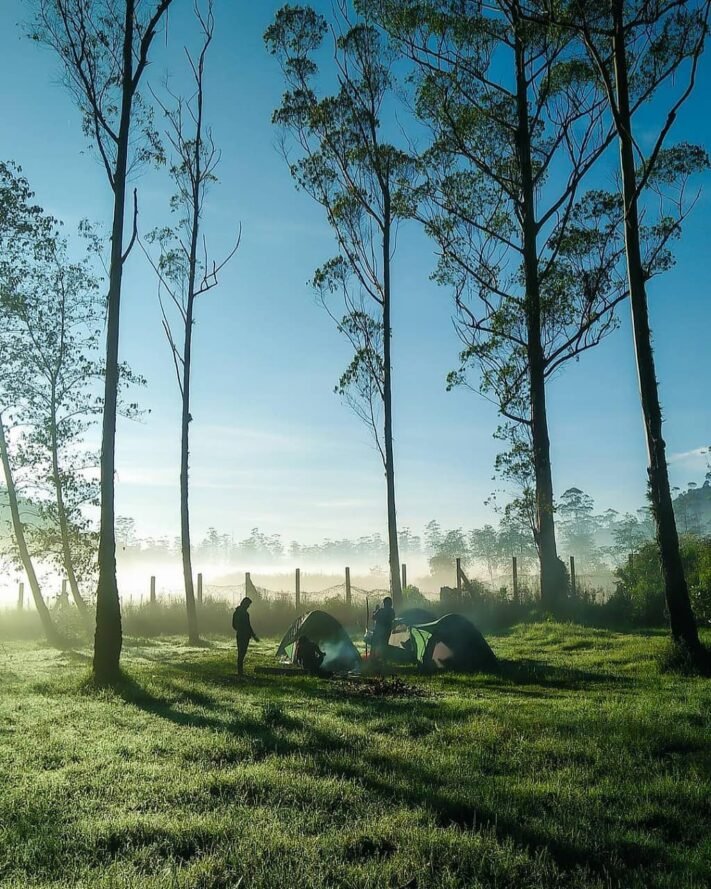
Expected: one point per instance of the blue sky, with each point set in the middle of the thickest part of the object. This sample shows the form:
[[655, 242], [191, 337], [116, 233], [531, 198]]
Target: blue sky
[[272, 445]]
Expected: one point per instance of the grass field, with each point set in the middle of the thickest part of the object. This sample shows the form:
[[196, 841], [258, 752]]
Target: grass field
[[580, 765]]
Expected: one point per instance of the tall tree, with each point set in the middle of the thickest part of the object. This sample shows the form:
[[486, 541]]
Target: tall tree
[[57, 318], [25, 233], [104, 46], [346, 164], [580, 526], [517, 122], [184, 269], [644, 50]]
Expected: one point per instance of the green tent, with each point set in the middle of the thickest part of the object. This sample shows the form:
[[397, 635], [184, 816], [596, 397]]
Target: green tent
[[328, 634], [450, 643], [413, 616]]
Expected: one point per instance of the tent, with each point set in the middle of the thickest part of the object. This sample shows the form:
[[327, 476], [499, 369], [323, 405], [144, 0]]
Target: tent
[[328, 634], [412, 616], [450, 643]]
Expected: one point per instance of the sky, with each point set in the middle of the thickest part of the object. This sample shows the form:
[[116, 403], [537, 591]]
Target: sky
[[272, 445]]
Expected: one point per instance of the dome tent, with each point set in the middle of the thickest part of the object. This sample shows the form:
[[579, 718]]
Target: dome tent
[[330, 636], [413, 616], [400, 645], [451, 643]]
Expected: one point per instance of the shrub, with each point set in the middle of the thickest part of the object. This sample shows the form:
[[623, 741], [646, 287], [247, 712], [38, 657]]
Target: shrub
[[639, 595]]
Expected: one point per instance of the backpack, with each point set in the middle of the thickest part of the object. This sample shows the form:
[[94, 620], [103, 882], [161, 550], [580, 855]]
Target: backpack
[[235, 619]]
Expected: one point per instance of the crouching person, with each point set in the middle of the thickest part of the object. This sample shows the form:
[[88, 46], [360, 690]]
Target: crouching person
[[242, 626], [310, 657]]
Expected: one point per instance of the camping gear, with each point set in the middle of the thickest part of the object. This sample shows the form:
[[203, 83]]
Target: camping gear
[[413, 616], [330, 636], [450, 643]]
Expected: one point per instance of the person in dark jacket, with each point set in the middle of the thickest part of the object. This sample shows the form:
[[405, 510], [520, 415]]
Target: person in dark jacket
[[382, 627], [310, 657], [242, 626]]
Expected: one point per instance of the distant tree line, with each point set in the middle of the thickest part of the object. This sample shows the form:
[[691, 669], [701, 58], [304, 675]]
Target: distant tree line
[[600, 541]]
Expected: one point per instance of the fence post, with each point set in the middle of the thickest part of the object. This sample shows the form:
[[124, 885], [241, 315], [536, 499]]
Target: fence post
[[64, 599], [297, 589], [348, 586], [573, 587], [404, 575], [630, 561], [199, 588], [459, 579], [21, 596], [514, 568], [153, 590]]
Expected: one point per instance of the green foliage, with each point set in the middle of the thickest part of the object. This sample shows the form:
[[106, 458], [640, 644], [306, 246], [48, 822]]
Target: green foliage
[[88, 39], [337, 154], [52, 318], [640, 589]]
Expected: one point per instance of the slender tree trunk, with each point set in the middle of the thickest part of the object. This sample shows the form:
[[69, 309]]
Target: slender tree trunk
[[193, 632], [681, 618], [67, 557], [393, 545], [197, 177], [552, 577], [109, 638], [50, 630]]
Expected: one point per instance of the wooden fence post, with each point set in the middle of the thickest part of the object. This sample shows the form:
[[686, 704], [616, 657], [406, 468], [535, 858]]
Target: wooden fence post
[[21, 596], [153, 590], [404, 575], [514, 568], [459, 579], [297, 589], [573, 587], [348, 586], [199, 588], [630, 561]]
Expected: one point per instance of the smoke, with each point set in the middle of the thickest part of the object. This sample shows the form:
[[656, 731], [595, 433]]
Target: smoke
[[339, 655]]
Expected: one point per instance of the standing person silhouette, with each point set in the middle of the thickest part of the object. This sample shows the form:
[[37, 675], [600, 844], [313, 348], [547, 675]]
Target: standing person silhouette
[[382, 627], [242, 626]]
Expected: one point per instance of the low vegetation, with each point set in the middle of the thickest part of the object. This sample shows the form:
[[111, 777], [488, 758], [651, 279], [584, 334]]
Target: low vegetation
[[582, 764]]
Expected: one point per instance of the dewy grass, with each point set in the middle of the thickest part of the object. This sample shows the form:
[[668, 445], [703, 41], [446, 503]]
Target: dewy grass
[[580, 764]]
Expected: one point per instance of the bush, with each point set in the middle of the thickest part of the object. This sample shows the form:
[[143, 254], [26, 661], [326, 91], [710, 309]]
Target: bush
[[639, 596]]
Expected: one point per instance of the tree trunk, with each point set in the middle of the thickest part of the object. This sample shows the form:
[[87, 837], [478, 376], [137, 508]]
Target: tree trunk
[[681, 618], [67, 558], [393, 544], [553, 587], [50, 631], [197, 177], [193, 632], [109, 638]]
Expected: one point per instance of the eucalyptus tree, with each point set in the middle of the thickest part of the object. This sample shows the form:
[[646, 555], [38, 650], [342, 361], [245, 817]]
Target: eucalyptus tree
[[104, 48], [340, 155], [184, 269], [648, 51], [517, 118]]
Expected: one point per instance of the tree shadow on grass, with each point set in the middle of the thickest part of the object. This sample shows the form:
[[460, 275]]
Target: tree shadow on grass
[[524, 671], [425, 791], [390, 778], [277, 732]]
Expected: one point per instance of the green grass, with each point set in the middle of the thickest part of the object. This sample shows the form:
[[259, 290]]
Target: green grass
[[580, 765]]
